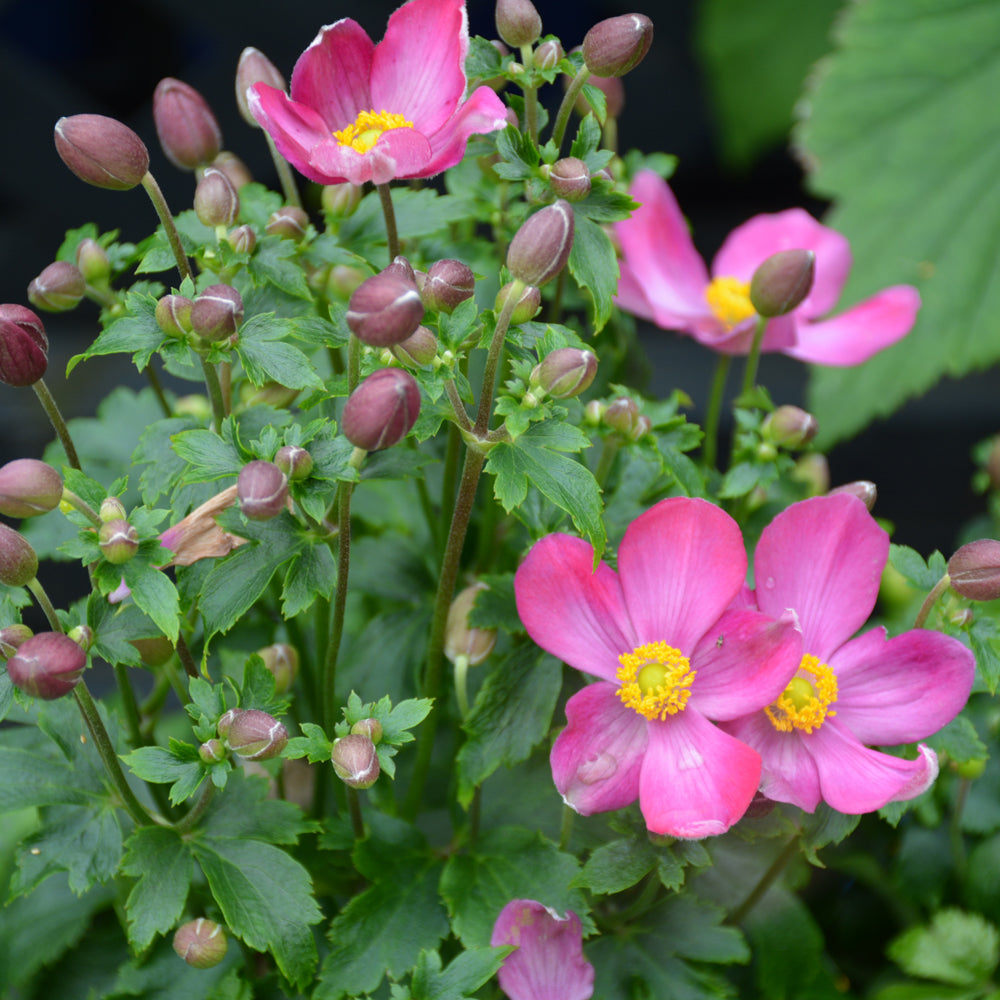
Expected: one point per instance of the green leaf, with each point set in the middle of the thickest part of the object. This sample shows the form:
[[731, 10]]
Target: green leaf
[[311, 574], [162, 766], [961, 949], [155, 594], [895, 115], [617, 866], [159, 859], [593, 264], [464, 975], [245, 811], [911, 565], [266, 357], [214, 456], [960, 741], [136, 333], [275, 261]]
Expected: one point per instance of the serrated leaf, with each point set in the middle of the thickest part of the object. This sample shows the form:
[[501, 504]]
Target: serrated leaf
[[593, 264], [959, 740], [961, 949], [912, 566], [155, 594], [463, 976], [617, 866], [213, 456], [311, 574], [160, 861], [275, 261], [137, 333]]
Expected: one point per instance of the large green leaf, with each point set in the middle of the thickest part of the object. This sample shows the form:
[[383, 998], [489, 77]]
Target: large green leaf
[[895, 133]]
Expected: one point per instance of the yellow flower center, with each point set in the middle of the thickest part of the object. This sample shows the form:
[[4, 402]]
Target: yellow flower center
[[364, 132], [805, 703], [656, 680], [729, 300]]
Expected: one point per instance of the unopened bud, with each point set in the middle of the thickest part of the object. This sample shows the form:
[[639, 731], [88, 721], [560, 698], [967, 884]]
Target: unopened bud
[[242, 239], [255, 735], [789, 427], [385, 309], [234, 168], [58, 288], [621, 415], [102, 151], [254, 67], [216, 202], [382, 410], [962, 618], [289, 222], [355, 761], [12, 637], [565, 372], [29, 488], [570, 178], [282, 661], [460, 638], [864, 489], [18, 562], [83, 636], [781, 283], [92, 261], [154, 650], [540, 248], [24, 347], [371, 728], [527, 306], [217, 312], [419, 349], [974, 570], [48, 665], [212, 751], [173, 314], [340, 200], [294, 462], [119, 541], [343, 280], [225, 722], [273, 394], [201, 943], [617, 45], [187, 129], [814, 471], [447, 285], [643, 425], [518, 23], [548, 54], [402, 268], [262, 489]]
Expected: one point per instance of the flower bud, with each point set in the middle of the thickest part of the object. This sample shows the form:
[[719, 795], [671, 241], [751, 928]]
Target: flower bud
[[254, 67], [289, 222], [782, 282], [24, 347], [234, 168], [187, 129], [343, 280], [962, 618], [548, 54], [789, 427], [540, 248], [643, 426], [102, 151], [447, 285], [617, 45], [294, 462], [460, 638], [217, 312], [119, 541], [83, 636], [527, 306], [340, 200], [518, 23], [402, 268], [975, 570], [58, 288], [173, 314], [570, 178], [622, 415], [814, 471], [29, 488], [283, 662], [255, 735], [371, 728], [262, 489], [385, 309], [355, 761], [242, 239], [216, 202], [212, 751], [18, 562], [154, 650], [863, 489], [382, 410], [593, 412], [12, 637], [92, 261], [225, 722], [565, 372], [48, 665], [201, 943], [419, 349], [272, 394]]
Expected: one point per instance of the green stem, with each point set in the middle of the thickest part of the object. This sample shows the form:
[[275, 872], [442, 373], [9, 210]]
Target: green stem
[[83, 507], [45, 604], [354, 808], [608, 451], [132, 720], [449, 476], [56, 419], [490, 370], [462, 685], [566, 108], [187, 822], [214, 387], [285, 176], [169, 227], [766, 881], [753, 358], [710, 446], [392, 234], [187, 660], [931, 599], [157, 386], [566, 827], [530, 96], [461, 416]]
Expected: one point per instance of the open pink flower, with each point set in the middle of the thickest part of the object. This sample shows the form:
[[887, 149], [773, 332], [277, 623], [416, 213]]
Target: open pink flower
[[548, 963], [664, 279], [365, 112], [670, 656], [824, 558]]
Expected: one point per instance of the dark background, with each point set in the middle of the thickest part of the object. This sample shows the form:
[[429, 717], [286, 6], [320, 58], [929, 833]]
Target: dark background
[[62, 57]]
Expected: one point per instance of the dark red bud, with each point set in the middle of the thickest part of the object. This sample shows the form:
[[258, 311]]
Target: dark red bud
[[283, 662], [518, 22], [187, 129], [48, 665], [975, 570], [355, 761], [864, 489], [548, 54], [58, 288], [289, 222], [217, 312], [201, 943], [294, 462], [254, 67], [527, 306], [18, 562], [447, 285], [24, 347], [255, 735], [216, 202], [540, 248], [617, 45], [781, 283], [570, 178], [262, 489], [382, 410], [419, 349], [566, 372], [29, 488], [385, 309], [119, 541], [102, 151]]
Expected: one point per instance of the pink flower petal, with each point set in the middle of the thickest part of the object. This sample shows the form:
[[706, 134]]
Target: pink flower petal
[[549, 962], [596, 759], [630, 295], [482, 113], [332, 75], [861, 332], [754, 663], [822, 558], [696, 780], [681, 563], [779, 335], [571, 611], [902, 690]]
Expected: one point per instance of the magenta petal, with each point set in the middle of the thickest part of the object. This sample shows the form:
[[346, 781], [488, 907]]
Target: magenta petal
[[630, 297], [861, 332], [696, 780], [597, 757], [902, 690], [549, 962], [822, 558], [332, 75], [483, 112], [571, 611], [295, 128], [756, 659], [681, 563]]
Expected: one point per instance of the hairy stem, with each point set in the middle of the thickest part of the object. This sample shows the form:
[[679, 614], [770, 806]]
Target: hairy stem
[[56, 419]]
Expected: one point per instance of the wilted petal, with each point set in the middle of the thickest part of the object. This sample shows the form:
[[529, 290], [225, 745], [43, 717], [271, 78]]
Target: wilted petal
[[332, 75]]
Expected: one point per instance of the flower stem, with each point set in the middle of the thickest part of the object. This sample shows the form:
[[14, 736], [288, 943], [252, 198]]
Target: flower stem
[[766, 881], [285, 176], [354, 808], [493, 357], [56, 419], [530, 97], [82, 506], [608, 451], [565, 109], [45, 604], [389, 213], [753, 359], [566, 827], [710, 446], [214, 387], [462, 685], [187, 660], [195, 813], [129, 706], [173, 237], [931, 599], [157, 386]]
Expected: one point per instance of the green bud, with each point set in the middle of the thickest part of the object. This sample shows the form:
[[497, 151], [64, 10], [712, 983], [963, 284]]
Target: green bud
[[565, 372], [295, 462], [371, 728], [527, 306], [518, 22], [789, 427], [112, 509], [119, 541], [93, 263], [282, 661]]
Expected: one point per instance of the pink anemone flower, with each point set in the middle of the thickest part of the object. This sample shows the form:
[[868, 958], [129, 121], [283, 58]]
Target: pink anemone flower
[[671, 656], [824, 558], [664, 280], [548, 963], [365, 112]]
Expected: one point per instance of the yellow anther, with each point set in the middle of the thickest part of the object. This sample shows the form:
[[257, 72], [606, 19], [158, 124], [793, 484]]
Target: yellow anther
[[364, 132], [729, 300], [656, 680], [806, 701]]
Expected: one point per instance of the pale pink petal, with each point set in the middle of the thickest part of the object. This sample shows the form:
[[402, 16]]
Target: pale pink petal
[[861, 332], [483, 112], [744, 663], [571, 611], [419, 67], [680, 564], [749, 245], [657, 246], [696, 780], [597, 758], [822, 558], [549, 962], [332, 75], [119, 593], [779, 335], [855, 779], [902, 690], [630, 297]]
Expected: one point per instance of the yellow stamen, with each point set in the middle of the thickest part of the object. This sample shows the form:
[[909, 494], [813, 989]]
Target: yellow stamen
[[729, 300], [656, 680], [364, 132], [805, 703]]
